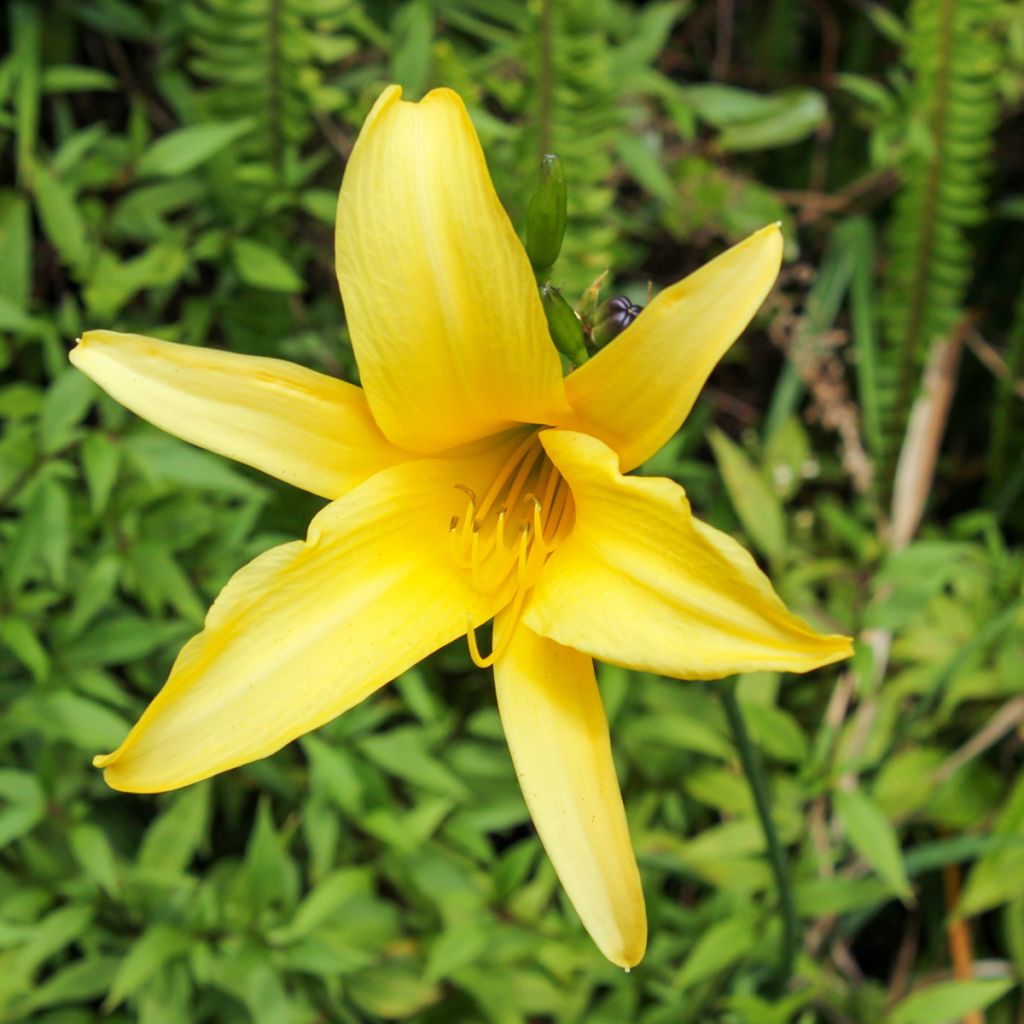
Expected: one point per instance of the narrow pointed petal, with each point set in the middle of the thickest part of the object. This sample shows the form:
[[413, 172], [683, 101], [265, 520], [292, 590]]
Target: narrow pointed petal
[[640, 582], [309, 629], [635, 393], [440, 299], [556, 728], [305, 428]]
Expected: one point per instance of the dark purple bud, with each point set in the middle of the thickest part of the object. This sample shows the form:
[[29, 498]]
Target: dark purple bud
[[612, 318]]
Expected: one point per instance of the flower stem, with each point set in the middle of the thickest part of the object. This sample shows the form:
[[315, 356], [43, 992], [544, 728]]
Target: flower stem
[[753, 767]]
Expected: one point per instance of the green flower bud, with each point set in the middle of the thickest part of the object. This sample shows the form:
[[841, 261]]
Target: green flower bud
[[545, 219], [564, 325], [587, 306]]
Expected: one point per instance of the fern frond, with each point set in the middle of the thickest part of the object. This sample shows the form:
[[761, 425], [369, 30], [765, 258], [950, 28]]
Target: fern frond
[[953, 56], [265, 59]]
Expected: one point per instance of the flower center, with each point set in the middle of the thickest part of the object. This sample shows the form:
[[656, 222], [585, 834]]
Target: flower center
[[505, 538]]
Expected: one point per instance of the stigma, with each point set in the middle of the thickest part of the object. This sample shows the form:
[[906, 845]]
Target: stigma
[[503, 538]]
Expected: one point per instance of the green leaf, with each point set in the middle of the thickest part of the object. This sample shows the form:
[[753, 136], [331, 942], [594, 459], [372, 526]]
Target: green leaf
[[455, 947], [391, 992], [162, 581], [22, 804], [115, 283], [85, 723], [165, 459], [185, 149], [948, 1001], [873, 838], [94, 592], [678, 731], [158, 945], [62, 222], [796, 115], [95, 855], [722, 945], [68, 400], [101, 459], [172, 840], [723, 105], [333, 771], [75, 78], [18, 636], [79, 982], [404, 753], [754, 502], [124, 638], [42, 538], [999, 876], [776, 732], [262, 267], [326, 900], [16, 246], [411, 51], [269, 874]]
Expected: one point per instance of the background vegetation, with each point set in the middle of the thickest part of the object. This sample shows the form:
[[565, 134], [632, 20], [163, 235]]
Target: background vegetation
[[171, 166]]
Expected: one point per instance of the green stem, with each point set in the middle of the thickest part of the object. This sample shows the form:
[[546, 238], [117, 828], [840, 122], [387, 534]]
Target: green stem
[[546, 77], [753, 767]]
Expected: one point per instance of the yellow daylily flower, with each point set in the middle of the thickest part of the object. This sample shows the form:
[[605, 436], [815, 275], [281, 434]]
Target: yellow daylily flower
[[467, 481]]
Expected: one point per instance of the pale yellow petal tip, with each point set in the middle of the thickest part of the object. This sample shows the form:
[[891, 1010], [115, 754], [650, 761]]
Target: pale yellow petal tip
[[89, 340], [626, 943], [389, 97], [772, 233], [628, 956], [830, 648], [125, 778]]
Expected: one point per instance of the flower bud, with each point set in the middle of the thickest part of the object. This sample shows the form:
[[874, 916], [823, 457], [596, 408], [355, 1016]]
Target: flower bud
[[613, 316], [545, 219], [589, 300], [564, 325]]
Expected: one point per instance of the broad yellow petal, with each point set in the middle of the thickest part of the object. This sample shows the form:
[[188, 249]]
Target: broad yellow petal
[[303, 427], [640, 582], [635, 393], [311, 628], [557, 732], [441, 302]]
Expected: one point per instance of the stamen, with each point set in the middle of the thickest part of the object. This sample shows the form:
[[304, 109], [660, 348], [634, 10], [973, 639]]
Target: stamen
[[499, 534], [474, 650], [506, 471], [481, 542], [458, 548], [524, 554], [538, 524], [550, 485], [525, 469], [486, 661], [468, 492]]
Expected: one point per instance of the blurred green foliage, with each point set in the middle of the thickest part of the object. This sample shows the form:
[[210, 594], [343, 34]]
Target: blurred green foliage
[[171, 168]]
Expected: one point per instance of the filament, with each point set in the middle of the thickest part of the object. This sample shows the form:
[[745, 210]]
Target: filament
[[529, 496]]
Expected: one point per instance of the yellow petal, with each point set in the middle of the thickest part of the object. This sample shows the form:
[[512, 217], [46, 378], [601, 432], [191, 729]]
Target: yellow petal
[[642, 583], [441, 302], [311, 628], [635, 393], [556, 728], [305, 428]]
